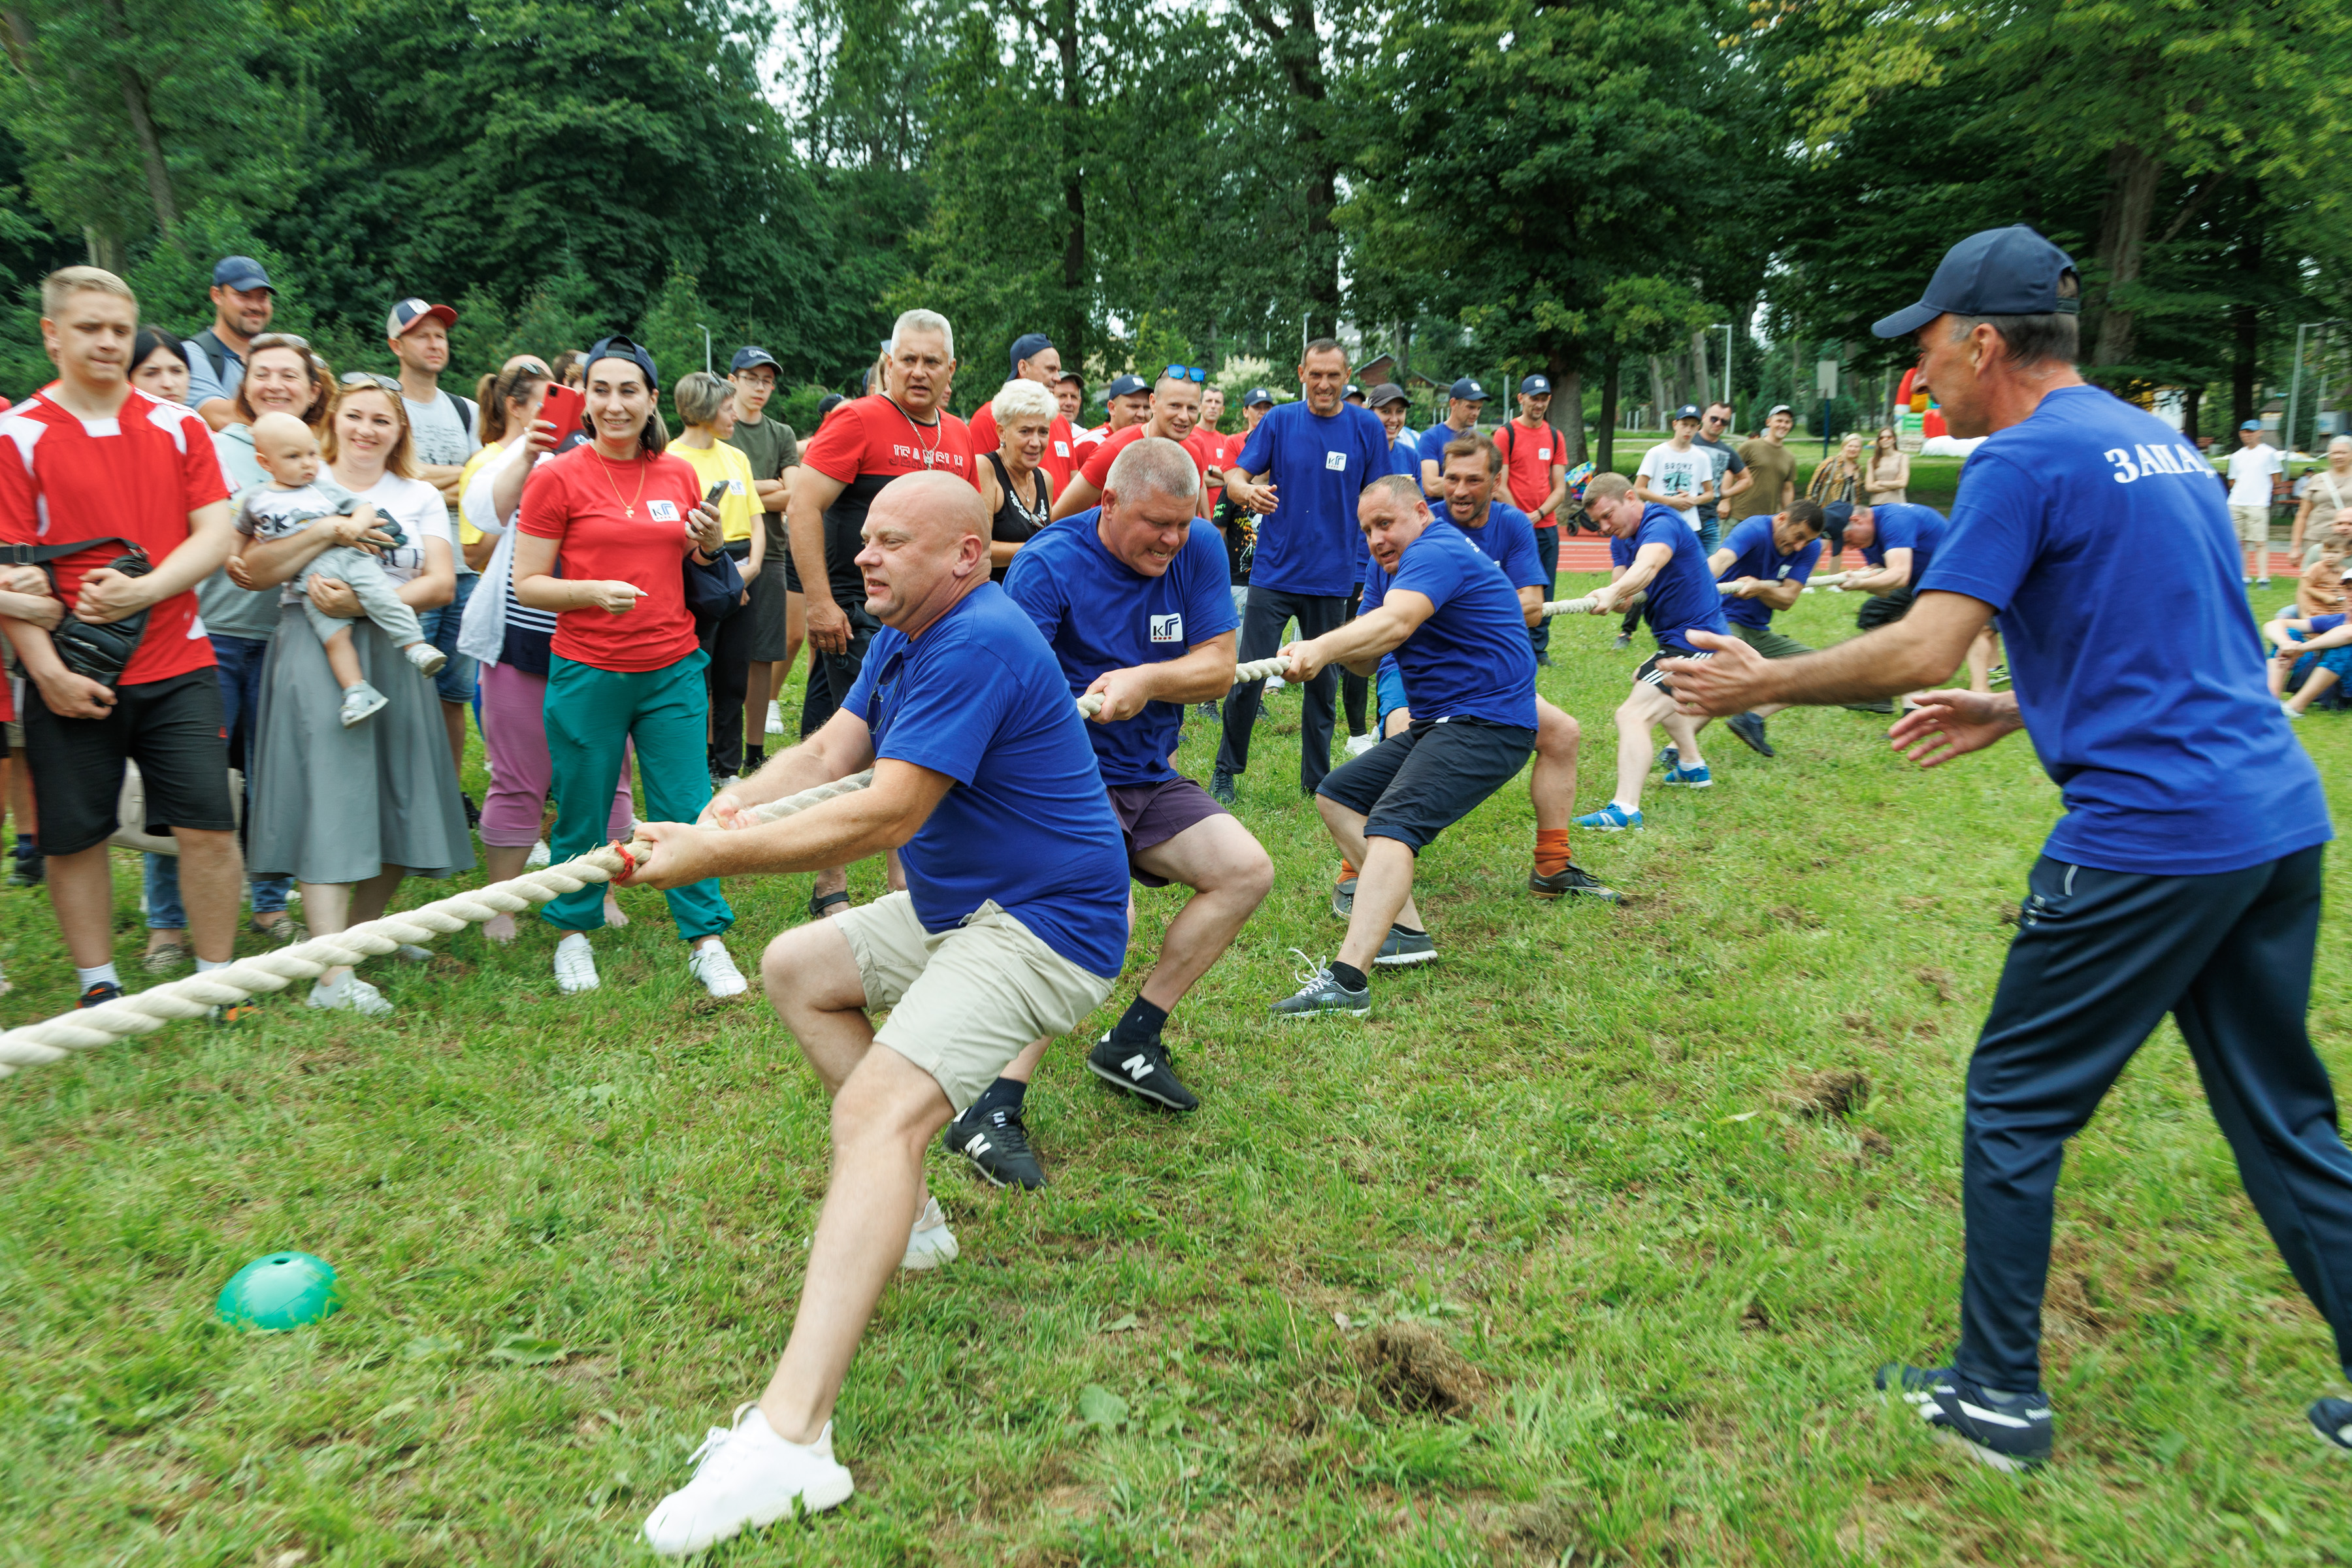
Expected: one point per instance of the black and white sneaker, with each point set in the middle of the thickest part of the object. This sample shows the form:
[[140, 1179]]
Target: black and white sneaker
[[1403, 949], [2332, 1419], [1320, 992], [997, 1143], [1141, 1070], [1572, 881], [2007, 1431]]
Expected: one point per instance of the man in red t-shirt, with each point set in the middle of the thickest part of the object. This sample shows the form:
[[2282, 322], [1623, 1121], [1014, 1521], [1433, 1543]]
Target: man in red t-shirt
[[92, 458], [1035, 358], [865, 445], [1535, 466], [1175, 414]]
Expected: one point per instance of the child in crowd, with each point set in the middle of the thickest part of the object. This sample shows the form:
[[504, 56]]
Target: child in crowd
[[293, 498], [2305, 638]]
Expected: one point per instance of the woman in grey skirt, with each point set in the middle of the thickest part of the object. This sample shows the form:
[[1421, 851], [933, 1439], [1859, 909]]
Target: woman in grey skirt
[[349, 812]]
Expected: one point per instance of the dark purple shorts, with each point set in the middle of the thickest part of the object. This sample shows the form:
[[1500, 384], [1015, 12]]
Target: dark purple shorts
[[1155, 813]]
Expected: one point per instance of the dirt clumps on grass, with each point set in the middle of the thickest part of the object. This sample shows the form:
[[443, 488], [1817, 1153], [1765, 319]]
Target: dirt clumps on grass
[[1410, 1368], [1546, 1528], [1834, 1093]]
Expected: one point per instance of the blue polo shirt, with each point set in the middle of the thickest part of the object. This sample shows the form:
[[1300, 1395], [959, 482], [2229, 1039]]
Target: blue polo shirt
[[1901, 526], [1682, 595], [979, 697], [1470, 659], [1308, 543], [1753, 554], [1097, 612], [1508, 540], [2140, 672]]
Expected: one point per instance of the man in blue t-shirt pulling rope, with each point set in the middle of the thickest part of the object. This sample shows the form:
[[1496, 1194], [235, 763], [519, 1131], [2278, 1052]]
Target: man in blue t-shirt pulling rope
[[2185, 875], [1012, 926]]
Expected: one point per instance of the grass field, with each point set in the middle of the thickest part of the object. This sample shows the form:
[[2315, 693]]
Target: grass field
[[1581, 1249]]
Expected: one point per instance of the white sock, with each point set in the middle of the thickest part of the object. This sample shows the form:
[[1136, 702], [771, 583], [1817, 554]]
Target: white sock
[[86, 978], [206, 965], [1628, 810]]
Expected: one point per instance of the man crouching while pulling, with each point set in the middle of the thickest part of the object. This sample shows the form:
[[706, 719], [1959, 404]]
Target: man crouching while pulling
[[1012, 926]]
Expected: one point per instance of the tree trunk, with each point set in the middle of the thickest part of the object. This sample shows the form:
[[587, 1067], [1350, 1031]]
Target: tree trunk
[[1660, 398], [1699, 360], [1608, 431], [2245, 330], [2190, 402], [1568, 393], [2132, 176], [104, 249], [1298, 53]]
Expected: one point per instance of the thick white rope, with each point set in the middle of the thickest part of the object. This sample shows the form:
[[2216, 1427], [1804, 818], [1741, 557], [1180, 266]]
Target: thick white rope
[[1590, 605]]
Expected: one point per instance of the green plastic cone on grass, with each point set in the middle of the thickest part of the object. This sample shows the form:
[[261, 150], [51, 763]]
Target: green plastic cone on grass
[[283, 1291]]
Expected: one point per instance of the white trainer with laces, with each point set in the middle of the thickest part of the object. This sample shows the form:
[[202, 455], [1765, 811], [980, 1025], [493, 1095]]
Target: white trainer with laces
[[539, 855], [351, 995], [930, 1243], [747, 1478], [711, 964], [575, 966]]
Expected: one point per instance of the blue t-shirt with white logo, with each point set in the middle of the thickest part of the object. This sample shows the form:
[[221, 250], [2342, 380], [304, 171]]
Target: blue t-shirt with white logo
[[1308, 543], [1470, 659], [1753, 554], [1097, 612], [2102, 543], [1683, 598], [1508, 540], [1900, 525], [979, 697]]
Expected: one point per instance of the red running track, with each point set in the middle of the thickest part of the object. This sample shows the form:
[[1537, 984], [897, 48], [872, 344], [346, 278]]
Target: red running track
[[1587, 553]]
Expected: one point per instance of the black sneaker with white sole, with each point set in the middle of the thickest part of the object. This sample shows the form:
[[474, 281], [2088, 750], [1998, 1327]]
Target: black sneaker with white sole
[[1321, 993], [2332, 1419], [997, 1143], [1141, 1070], [2007, 1431], [1572, 881], [1402, 949]]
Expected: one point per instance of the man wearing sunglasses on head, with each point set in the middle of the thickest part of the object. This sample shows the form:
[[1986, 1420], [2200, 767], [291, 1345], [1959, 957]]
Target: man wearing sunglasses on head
[[1175, 414]]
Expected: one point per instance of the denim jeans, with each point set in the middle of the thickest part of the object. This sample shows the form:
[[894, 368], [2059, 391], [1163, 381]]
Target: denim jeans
[[238, 662]]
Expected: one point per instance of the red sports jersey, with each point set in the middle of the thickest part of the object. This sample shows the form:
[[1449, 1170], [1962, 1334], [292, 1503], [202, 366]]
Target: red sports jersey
[[864, 446], [1061, 459], [137, 477], [1096, 469], [1529, 458]]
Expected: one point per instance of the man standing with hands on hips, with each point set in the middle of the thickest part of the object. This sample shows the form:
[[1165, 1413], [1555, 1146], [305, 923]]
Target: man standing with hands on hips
[[2185, 875]]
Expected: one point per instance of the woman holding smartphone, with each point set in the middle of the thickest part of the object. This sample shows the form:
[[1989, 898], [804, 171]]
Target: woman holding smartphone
[[625, 663], [706, 407]]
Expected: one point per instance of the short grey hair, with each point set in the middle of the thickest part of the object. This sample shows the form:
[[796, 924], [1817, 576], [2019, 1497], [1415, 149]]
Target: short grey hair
[[1389, 489], [1023, 399], [699, 397], [2046, 341], [1153, 463], [2336, 441], [921, 321]]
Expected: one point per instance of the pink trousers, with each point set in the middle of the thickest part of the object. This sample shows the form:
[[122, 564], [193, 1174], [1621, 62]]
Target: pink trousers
[[514, 735]]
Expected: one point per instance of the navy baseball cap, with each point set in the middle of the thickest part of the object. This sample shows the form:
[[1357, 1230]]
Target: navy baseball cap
[[240, 272], [1353, 391], [1535, 386], [1124, 385], [1385, 393], [748, 356], [1467, 390], [2010, 272], [619, 347], [1688, 411], [2251, 425], [1841, 513], [1026, 346], [1255, 395]]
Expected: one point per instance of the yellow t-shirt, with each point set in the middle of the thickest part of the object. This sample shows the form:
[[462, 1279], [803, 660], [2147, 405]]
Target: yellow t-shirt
[[738, 509], [466, 532]]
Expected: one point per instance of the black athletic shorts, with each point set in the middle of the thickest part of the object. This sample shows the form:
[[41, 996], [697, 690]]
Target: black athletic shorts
[[1884, 609], [172, 729], [1651, 675], [1414, 786]]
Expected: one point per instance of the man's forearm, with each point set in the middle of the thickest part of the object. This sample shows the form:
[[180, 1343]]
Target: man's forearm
[[1203, 674], [838, 832], [34, 651], [790, 771], [805, 537], [202, 553], [1364, 639], [1882, 663]]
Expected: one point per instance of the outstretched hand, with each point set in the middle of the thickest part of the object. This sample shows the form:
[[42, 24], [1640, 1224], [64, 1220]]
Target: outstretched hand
[[1730, 682], [1947, 724]]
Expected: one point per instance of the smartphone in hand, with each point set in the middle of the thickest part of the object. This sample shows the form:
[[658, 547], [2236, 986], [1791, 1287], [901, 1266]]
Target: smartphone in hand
[[566, 410]]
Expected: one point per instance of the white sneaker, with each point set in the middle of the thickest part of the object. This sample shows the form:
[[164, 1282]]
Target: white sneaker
[[360, 702], [932, 1243], [746, 1478], [775, 717], [711, 965], [540, 857], [351, 995], [1359, 745], [575, 966], [1273, 683], [428, 659]]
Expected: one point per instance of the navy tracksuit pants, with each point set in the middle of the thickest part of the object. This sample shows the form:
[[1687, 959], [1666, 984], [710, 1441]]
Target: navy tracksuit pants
[[2098, 959]]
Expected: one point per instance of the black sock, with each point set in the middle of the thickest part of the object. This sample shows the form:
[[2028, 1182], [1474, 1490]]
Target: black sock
[[1139, 1026], [1349, 975], [1004, 1094], [1410, 930]]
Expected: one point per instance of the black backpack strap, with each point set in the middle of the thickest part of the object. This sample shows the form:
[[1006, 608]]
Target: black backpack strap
[[216, 352], [42, 554]]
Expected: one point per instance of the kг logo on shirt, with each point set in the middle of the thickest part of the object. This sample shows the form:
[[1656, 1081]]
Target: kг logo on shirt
[[1168, 628]]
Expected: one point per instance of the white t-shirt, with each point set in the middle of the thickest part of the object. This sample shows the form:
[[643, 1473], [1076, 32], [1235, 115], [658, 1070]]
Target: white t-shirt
[[2250, 468], [419, 509], [1678, 473]]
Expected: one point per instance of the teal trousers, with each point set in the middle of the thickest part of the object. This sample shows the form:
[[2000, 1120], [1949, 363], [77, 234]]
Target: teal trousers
[[592, 715]]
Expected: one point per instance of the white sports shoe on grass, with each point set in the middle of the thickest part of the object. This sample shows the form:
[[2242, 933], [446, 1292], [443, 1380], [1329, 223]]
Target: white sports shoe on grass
[[710, 964], [575, 966], [775, 717], [746, 1478], [1359, 745], [932, 1243], [539, 855], [351, 995]]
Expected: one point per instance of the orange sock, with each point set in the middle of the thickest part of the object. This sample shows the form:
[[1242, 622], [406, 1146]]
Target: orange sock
[[1551, 851], [1347, 872]]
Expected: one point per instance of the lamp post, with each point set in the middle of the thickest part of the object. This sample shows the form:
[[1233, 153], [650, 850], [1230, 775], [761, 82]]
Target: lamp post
[[1725, 327], [706, 349]]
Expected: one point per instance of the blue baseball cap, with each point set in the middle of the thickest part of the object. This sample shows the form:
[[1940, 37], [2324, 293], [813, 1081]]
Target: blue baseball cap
[[1256, 395], [1467, 390], [1124, 386], [1026, 346], [1535, 386], [240, 272], [2010, 272], [748, 356], [619, 347], [2251, 425]]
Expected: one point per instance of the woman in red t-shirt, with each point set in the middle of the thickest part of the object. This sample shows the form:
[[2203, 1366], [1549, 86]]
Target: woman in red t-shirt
[[625, 665]]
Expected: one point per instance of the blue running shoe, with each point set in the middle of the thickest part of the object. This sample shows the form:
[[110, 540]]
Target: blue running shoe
[[2332, 1419], [1670, 757], [1692, 778], [2007, 1431], [1610, 819]]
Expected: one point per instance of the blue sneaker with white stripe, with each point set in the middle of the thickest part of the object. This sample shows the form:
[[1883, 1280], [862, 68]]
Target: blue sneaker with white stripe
[[1693, 778], [2007, 1431], [1610, 819]]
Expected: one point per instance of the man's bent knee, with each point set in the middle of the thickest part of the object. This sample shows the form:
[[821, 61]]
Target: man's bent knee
[[811, 965], [888, 1099]]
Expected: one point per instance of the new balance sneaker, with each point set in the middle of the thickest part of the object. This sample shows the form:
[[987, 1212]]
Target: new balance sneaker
[[930, 1243], [997, 1143], [575, 966], [710, 962], [1220, 786], [746, 1478], [2332, 1419], [360, 703], [2007, 1431], [428, 659], [1750, 729], [1571, 881], [1141, 1070], [99, 993], [1343, 896], [1670, 757], [1319, 993], [1690, 778], [1610, 819], [350, 994], [1402, 949]]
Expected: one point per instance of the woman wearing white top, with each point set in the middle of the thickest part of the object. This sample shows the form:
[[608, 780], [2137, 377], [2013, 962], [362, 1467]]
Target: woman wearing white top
[[349, 812]]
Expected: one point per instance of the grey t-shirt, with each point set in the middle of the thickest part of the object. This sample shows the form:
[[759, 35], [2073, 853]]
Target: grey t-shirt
[[438, 433], [1726, 461], [203, 385]]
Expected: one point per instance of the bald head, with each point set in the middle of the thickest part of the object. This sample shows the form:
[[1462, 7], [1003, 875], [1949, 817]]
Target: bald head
[[926, 547]]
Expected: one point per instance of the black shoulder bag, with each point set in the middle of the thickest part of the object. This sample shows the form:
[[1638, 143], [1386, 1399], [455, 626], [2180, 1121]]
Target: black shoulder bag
[[99, 652]]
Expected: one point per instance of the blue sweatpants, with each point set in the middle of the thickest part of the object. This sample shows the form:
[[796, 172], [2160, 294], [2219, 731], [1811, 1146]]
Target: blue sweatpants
[[2099, 958]]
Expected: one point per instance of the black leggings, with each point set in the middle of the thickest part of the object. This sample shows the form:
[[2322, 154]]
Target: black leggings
[[729, 677]]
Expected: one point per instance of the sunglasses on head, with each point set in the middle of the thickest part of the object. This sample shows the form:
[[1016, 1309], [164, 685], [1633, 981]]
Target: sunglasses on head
[[277, 341], [370, 378], [1186, 373]]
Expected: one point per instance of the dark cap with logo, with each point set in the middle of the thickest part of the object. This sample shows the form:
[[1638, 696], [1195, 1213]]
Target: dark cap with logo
[[1535, 386], [748, 356], [1688, 411], [239, 272], [1256, 395], [619, 347], [1468, 390], [2010, 272], [1124, 386]]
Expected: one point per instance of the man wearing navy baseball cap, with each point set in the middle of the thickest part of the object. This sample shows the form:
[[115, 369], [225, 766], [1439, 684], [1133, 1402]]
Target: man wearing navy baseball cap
[[1535, 470], [1464, 400], [2185, 877], [1126, 401], [243, 301]]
